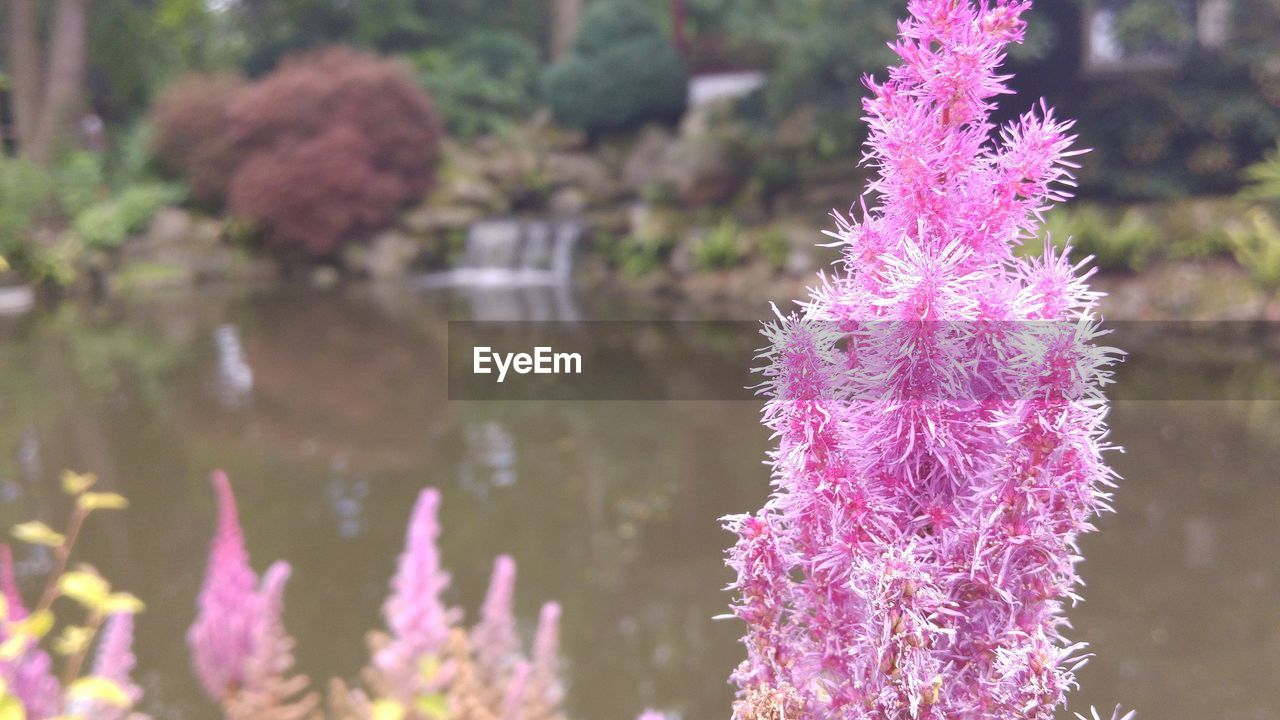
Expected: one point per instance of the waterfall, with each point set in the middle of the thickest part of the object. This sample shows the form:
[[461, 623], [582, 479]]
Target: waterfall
[[513, 253]]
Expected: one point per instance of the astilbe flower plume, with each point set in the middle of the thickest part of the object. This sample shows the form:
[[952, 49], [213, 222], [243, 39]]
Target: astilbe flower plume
[[417, 619], [28, 676], [239, 648], [481, 674], [939, 416], [114, 661]]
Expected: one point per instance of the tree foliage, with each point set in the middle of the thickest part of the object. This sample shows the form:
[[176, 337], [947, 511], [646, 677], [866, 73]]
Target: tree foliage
[[624, 70]]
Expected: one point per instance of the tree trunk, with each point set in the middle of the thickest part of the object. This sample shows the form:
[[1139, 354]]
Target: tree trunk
[[565, 15], [65, 80], [24, 69]]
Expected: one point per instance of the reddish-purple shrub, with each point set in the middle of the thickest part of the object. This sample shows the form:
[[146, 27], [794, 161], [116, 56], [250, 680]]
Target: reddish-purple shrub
[[311, 93], [335, 141], [325, 148], [312, 194], [192, 133]]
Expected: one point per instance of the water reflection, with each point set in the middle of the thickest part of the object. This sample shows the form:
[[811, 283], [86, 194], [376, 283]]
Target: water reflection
[[610, 507]]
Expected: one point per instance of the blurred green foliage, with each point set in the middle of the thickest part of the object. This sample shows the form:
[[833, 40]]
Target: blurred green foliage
[[1126, 242], [483, 84], [635, 257], [1255, 237], [1255, 240], [1263, 180], [821, 48], [720, 248], [624, 70], [773, 246]]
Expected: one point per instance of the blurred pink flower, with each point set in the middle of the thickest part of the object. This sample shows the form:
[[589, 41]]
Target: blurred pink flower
[[416, 616]]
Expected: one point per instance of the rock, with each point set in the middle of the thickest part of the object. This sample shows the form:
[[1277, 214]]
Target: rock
[[568, 203], [708, 165], [611, 220], [798, 129], [703, 175], [170, 226], [325, 276], [387, 256], [581, 171], [429, 219], [137, 276], [178, 248], [643, 166], [16, 299], [474, 192], [648, 223]]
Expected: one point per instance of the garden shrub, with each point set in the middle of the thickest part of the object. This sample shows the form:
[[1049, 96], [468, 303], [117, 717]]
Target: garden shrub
[[1264, 180], [140, 202], [1255, 243], [624, 71], [635, 256], [106, 224], [81, 182], [719, 248], [26, 195], [1128, 241], [334, 142], [101, 226], [192, 136], [486, 82], [314, 193]]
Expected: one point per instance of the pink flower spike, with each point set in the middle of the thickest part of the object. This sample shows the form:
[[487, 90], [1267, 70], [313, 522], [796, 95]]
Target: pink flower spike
[[9, 585], [415, 613], [29, 676], [494, 637], [939, 416], [221, 638], [514, 698], [114, 661]]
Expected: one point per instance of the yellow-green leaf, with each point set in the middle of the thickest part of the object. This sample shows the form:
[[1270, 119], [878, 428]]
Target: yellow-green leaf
[[34, 626], [37, 533], [11, 708], [102, 501], [122, 603], [4, 267], [387, 710], [24, 633], [87, 588], [73, 640], [435, 705], [11, 648], [428, 668], [99, 690], [74, 483]]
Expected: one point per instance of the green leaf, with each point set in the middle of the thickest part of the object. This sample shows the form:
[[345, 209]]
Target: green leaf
[[122, 604], [387, 710], [99, 690], [11, 708], [73, 640], [87, 588], [24, 633], [37, 533], [102, 501], [435, 705], [74, 483]]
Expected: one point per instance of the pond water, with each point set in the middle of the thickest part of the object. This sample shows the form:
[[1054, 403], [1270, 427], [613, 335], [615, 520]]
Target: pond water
[[329, 411]]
